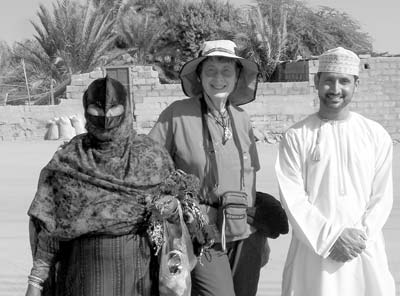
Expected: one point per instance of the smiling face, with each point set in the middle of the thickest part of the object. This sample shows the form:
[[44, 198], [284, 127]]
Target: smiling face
[[218, 78], [335, 92]]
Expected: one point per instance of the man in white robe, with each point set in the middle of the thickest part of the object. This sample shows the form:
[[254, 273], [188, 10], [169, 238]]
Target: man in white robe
[[335, 176]]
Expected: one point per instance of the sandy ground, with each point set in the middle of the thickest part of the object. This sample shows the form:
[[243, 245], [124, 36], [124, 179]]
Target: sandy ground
[[20, 164]]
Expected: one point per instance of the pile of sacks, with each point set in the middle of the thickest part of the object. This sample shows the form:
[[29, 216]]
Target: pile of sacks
[[64, 128]]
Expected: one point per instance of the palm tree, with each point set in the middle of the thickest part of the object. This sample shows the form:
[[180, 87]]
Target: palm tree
[[73, 38], [140, 32], [76, 35], [263, 36]]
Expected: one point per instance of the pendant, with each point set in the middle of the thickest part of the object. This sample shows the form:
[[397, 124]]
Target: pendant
[[227, 134]]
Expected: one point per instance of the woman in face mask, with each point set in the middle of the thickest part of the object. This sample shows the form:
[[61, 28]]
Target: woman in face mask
[[88, 217]]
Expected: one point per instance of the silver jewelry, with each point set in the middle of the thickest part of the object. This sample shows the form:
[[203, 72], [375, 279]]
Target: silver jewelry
[[35, 279], [36, 285], [227, 135]]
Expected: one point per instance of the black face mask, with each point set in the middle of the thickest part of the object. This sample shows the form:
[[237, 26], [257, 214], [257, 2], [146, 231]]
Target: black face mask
[[104, 122], [105, 93]]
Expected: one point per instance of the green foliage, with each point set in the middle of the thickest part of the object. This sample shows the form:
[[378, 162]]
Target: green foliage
[[5, 67], [5, 55], [278, 30], [139, 32], [262, 37], [73, 38], [188, 24], [345, 31], [12, 80], [170, 32], [313, 32]]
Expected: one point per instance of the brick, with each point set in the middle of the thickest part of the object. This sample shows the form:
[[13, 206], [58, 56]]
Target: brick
[[166, 92], [389, 104], [76, 95], [391, 129], [266, 91], [395, 77], [96, 74], [76, 88], [78, 81], [139, 81], [153, 93], [152, 81], [144, 118], [84, 76], [390, 116], [138, 99], [140, 92], [172, 86], [145, 106], [154, 74], [139, 69]]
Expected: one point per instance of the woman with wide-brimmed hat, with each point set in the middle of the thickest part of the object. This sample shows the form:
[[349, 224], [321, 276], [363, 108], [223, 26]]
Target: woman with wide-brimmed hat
[[209, 136]]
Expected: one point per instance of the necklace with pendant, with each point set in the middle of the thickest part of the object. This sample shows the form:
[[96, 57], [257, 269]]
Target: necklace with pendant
[[225, 126]]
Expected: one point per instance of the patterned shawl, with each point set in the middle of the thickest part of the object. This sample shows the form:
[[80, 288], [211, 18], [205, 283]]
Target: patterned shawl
[[97, 183], [89, 189]]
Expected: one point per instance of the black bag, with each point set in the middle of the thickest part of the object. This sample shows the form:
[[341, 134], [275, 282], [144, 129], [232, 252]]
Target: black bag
[[268, 216]]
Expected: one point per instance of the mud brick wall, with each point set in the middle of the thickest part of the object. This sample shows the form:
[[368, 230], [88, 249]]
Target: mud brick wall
[[278, 105], [378, 96]]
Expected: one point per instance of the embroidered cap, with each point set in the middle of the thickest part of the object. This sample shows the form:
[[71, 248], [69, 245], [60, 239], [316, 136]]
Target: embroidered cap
[[339, 60], [247, 80]]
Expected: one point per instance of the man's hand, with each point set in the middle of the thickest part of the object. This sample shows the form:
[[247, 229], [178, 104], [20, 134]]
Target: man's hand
[[349, 245]]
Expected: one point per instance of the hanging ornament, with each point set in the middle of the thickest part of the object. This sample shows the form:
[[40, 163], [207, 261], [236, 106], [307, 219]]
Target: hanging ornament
[[227, 134]]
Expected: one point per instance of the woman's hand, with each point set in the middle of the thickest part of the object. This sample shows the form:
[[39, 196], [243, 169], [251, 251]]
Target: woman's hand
[[167, 207], [33, 291]]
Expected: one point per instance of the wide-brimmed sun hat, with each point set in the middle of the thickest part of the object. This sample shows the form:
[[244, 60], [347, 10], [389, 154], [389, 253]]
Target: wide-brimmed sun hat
[[339, 60], [246, 86]]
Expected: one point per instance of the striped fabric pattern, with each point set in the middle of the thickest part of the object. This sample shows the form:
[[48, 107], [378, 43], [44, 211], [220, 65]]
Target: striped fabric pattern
[[104, 266]]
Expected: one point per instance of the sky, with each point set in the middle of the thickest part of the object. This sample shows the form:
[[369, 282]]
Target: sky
[[380, 18]]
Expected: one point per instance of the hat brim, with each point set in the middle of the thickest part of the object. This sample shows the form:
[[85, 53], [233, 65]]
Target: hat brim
[[246, 87]]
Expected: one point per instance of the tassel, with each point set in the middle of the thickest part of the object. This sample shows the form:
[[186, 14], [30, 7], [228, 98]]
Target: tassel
[[317, 153], [223, 238]]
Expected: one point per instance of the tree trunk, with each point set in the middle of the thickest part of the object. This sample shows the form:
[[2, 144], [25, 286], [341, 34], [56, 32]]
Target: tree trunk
[[43, 99]]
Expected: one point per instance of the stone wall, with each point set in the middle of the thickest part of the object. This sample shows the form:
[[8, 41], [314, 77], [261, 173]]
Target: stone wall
[[278, 105], [378, 96]]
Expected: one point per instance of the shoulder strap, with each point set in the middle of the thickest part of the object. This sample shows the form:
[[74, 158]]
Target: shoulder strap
[[239, 147], [211, 169]]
